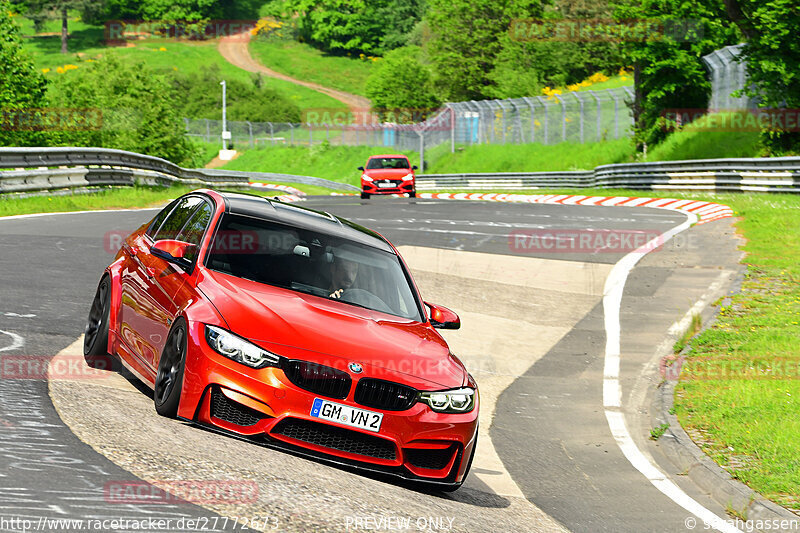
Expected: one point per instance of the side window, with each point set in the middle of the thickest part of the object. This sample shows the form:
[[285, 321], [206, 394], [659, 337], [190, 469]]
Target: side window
[[195, 228], [178, 218], [156, 223]]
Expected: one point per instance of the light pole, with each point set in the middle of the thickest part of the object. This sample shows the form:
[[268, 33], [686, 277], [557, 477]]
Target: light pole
[[224, 125]]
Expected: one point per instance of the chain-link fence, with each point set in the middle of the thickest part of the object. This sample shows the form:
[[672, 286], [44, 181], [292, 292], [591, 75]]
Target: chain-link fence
[[728, 74], [579, 117]]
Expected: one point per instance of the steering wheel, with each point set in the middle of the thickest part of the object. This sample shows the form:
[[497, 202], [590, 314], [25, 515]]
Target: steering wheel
[[365, 298]]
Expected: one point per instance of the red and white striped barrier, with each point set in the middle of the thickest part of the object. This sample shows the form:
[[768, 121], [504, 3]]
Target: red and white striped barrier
[[705, 211]]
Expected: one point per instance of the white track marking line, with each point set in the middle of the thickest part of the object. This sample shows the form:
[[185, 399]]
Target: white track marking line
[[37, 215], [16, 341], [612, 392]]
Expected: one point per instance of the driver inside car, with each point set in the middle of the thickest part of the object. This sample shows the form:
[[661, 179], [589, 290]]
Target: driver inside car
[[343, 276]]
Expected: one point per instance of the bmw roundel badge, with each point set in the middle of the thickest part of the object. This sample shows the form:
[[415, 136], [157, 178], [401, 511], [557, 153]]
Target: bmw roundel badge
[[356, 368]]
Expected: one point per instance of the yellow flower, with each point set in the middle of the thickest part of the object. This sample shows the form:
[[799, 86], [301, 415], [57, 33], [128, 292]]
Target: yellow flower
[[45, 70], [624, 78], [622, 71], [574, 87], [70, 67], [598, 77], [162, 49], [537, 123], [174, 68], [60, 70]]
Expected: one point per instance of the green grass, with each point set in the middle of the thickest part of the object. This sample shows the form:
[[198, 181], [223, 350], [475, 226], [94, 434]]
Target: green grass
[[306, 63], [698, 144], [110, 198], [337, 163], [529, 157], [121, 198], [86, 42]]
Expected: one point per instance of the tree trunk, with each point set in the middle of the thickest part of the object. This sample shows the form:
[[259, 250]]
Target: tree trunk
[[64, 30]]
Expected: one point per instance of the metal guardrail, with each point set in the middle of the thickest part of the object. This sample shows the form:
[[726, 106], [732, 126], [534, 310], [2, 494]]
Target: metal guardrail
[[777, 174], [44, 169]]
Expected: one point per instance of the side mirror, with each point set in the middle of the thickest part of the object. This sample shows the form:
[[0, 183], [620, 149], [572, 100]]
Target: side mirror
[[361, 169], [443, 318], [414, 167], [177, 252]]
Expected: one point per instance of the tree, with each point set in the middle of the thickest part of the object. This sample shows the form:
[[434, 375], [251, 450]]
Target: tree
[[466, 39], [668, 71], [772, 53], [22, 87], [401, 87], [356, 26], [40, 10]]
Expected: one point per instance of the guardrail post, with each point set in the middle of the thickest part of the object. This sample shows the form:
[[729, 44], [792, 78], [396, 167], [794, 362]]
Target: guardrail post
[[599, 113], [563, 118], [580, 114], [208, 131], [252, 141]]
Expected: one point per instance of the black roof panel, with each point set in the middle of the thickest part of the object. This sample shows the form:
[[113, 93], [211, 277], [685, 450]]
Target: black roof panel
[[303, 217]]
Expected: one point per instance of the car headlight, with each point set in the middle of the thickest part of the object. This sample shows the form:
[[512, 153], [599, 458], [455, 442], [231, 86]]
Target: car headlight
[[407, 177], [234, 347], [450, 401], [365, 177]]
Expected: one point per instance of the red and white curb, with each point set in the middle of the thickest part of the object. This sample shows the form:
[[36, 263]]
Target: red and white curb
[[705, 211], [294, 195]]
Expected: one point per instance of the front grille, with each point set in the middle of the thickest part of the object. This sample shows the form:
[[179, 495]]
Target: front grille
[[431, 459], [319, 379], [235, 413], [335, 438], [385, 395]]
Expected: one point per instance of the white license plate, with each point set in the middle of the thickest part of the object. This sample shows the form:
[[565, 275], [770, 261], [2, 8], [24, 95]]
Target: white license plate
[[386, 185], [344, 414]]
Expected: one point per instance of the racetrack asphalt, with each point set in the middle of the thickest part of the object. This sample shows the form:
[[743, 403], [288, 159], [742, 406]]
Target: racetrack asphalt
[[548, 431]]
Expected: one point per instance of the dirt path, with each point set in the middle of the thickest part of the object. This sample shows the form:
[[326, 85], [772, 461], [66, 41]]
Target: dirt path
[[234, 49]]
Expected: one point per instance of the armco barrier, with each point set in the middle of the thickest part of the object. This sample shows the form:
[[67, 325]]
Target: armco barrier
[[776, 174], [42, 169]]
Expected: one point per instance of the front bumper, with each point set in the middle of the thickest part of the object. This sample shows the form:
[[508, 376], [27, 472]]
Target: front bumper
[[373, 187], [265, 405]]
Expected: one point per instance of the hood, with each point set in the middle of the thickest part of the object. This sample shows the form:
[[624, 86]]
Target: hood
[[387, 173], [302, 326]]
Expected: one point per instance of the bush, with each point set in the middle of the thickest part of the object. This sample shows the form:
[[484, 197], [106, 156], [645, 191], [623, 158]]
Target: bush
[[199, 95], [400, 82], [137, 106]]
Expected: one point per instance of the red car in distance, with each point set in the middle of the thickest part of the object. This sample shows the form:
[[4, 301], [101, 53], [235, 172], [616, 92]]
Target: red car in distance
[[388, 174], [291, 327]]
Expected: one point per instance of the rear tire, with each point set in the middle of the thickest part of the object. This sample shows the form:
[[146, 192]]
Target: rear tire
[[169, 380], [365, 196], [95, 340], [412, 194]]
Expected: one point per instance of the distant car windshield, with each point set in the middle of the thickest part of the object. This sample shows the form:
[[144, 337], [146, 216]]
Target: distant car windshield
[[387, 162], [315, 263]]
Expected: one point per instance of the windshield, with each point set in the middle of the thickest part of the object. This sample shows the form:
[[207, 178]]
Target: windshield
[[314, 263], [387, 162]]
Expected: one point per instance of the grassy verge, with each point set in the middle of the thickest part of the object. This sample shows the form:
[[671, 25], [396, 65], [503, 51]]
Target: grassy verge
[[120, 198], [306, 63]]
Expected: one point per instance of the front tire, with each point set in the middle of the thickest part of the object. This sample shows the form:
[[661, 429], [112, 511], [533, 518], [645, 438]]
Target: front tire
[[95, 340], [365, 196], [412, 194], [169, 380]]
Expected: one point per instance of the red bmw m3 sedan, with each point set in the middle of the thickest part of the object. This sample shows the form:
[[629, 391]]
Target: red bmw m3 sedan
[[291, 327]]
